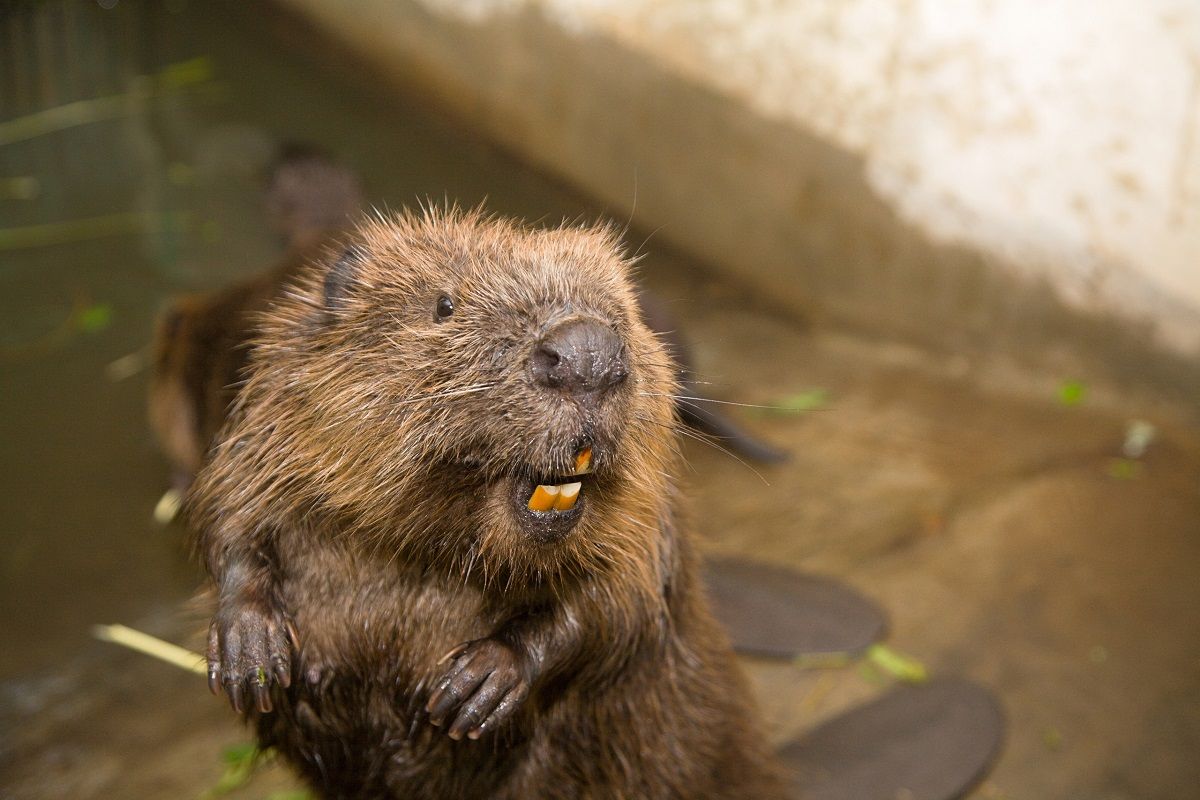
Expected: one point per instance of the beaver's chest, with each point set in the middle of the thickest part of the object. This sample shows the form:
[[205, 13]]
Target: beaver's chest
[[371, 636], [376, 619]]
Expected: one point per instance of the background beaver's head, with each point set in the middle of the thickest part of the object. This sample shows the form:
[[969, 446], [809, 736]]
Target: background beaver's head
[[428, 373]]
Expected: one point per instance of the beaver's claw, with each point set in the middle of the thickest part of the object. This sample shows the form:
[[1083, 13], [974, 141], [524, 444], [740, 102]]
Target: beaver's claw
[[248, 650], [486, 682]]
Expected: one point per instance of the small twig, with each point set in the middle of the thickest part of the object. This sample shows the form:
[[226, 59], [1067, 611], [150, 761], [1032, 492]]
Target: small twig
[[151, 646], [128, 365]]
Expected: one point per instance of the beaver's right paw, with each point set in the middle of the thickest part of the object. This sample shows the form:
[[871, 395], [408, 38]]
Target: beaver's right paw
[[249, 648], [487, 681]]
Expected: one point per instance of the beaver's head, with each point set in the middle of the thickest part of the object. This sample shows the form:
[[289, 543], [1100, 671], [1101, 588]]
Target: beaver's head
[[465, 388]]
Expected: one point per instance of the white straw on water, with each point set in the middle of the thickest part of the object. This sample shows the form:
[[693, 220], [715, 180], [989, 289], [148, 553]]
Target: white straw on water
[[145, 643]]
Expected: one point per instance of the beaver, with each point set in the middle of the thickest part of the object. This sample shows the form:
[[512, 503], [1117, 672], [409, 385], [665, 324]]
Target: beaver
[[202, 340], [442, 526]]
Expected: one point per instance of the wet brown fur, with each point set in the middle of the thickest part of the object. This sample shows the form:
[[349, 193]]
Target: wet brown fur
[[353, 514]]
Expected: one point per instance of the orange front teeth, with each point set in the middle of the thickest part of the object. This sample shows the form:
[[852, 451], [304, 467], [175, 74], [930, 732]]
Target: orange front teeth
[[555, 498], [561, 497], [568, 493], [544, 498]]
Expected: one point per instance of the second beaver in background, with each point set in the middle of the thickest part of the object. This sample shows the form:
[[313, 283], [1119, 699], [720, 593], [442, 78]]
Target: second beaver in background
[[202, 343], [442, 510]]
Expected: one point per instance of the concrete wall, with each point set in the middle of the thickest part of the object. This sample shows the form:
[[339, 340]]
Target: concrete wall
[[1017, 178]]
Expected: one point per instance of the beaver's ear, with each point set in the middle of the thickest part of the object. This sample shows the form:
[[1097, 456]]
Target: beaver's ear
[[341, 276]]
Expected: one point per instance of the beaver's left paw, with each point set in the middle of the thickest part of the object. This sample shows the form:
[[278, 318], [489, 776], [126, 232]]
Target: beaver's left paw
[[486, 682]]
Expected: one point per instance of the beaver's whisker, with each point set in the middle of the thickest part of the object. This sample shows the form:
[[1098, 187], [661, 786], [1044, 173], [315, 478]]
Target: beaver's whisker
[[672, 443], [685, 398], [668, 364], [685, 374], [708, 440], [711, 442], [483, 387], [635, 523], [470, 565]]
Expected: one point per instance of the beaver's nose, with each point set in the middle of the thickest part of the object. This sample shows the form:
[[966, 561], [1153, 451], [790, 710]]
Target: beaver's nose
[[582, 356]]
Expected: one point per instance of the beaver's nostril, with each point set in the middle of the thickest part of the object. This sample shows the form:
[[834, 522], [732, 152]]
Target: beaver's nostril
[[582, 356], [545, 362]]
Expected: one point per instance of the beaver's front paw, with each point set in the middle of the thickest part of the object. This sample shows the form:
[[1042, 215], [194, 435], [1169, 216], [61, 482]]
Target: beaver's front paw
[[486, 682], [248, 650]]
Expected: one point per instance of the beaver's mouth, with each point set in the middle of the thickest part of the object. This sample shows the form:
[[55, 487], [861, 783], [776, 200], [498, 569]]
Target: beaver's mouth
[[547, 507]]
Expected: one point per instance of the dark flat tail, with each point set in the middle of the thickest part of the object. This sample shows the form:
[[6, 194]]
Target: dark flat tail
[[775, 612], [934, 741]]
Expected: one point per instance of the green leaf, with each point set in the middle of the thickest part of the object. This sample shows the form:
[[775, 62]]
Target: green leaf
[[241, 762], [799, 403], [1052, 738], [899, 666], [1124, 469], [94, 318], [183, 74], [240, 753], [1072, 392]]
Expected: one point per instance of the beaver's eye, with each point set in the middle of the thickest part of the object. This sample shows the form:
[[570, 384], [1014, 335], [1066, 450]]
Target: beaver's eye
[[445, 307]]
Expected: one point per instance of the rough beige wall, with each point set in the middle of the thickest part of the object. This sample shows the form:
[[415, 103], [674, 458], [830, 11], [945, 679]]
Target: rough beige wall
[[1062, 135], [1020, 176]]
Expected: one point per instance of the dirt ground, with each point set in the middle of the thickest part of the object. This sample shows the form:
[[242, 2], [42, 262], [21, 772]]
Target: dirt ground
[[1004, 535], [998, 525]]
